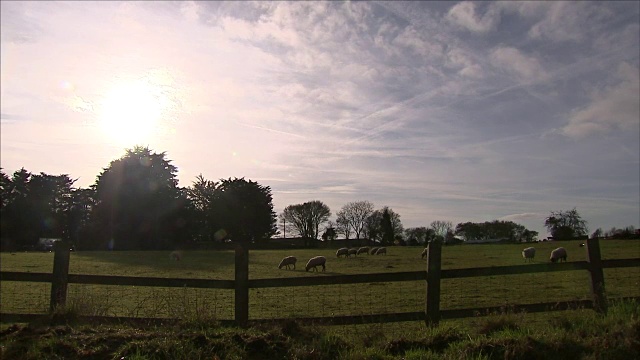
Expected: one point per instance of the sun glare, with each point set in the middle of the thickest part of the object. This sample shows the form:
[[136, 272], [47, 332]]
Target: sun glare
[[131, 111]]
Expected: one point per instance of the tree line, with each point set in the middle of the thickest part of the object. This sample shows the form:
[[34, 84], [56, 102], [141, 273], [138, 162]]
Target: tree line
[[136, 203]]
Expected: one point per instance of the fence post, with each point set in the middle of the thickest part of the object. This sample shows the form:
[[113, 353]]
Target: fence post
[[432, 307], [597, 275], [242, 283], [60, 275]]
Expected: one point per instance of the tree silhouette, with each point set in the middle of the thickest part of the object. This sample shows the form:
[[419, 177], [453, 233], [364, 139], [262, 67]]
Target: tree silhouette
[[244, 210], [138, 201], [306, 218], [353, 216], [566, 224]]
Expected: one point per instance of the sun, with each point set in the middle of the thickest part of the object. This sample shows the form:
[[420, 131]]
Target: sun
[[131, 111]]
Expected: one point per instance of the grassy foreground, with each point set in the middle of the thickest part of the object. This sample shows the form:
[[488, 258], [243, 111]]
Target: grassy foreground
[[565, 335]]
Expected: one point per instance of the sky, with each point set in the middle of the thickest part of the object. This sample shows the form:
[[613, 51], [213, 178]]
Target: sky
[[456, 111]]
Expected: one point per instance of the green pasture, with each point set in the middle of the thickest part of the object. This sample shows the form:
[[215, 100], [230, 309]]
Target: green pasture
[[354, 299]]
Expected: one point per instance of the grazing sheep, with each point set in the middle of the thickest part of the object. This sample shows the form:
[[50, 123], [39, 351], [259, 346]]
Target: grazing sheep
[[353, 252], [529, 253], [314, 262], [362, 250], [342, 251], [424, 253], [582, 245], [558, 255], [289, 260], [175, 256], [382, 250], [373, 251]]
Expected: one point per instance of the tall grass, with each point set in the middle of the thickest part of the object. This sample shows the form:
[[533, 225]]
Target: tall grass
[[566, 335]]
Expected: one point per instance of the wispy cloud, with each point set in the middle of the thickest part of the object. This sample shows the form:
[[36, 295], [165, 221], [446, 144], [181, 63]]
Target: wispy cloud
[[513, 61], [466, 15], [613, 107]]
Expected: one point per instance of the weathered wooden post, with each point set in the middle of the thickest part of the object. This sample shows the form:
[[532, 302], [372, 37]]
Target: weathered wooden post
[[434, 259], [60, 275], [242, 283], [597, 275]]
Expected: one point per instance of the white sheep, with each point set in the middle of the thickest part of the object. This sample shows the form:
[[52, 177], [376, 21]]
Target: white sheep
[[373, 251], [175, 256], [558, 255], [353, 252], [424, 253], [342, 251], [289, 260], [363, 250], [314, 262], [382, 250], [529, 253]]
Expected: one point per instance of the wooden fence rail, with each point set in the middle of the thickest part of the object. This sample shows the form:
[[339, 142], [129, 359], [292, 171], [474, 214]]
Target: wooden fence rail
[[432, 314]]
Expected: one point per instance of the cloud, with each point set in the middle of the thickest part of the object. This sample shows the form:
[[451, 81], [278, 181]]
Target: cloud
[[464, 14], [513, 61], [459, 59], [9, 118], [522, 217], [612, 108], [19, 23], [569, 21]]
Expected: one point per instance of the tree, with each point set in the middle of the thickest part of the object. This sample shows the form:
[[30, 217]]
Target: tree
[[496, 229], [19, 218], [353, 216], [245, 210], [529, 236], [35, 206], [5, 189], [202, 195], [565, 225], [470, 231], [372, 229], [343, 227], [50, 196], [441, 228], [419, 235], [373, 226], [386, 228], [330, 232], [82, 203], [381, 223], [627, 233], [138, 201], [306, 218]]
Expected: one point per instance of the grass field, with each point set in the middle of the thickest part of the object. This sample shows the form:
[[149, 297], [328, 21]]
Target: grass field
[[354, 299]]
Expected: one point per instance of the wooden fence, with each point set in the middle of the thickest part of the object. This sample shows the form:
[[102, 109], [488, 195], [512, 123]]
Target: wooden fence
[[432, 313]]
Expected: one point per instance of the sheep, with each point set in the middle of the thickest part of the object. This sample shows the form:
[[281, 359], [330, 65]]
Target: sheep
[[373, 251], [314, 262], [424, 253], [558, 255], [175, 256], [529, 253], [289, 260], [582, 245], [353, 252], [362, 250], [342, 251], [382, 250]]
